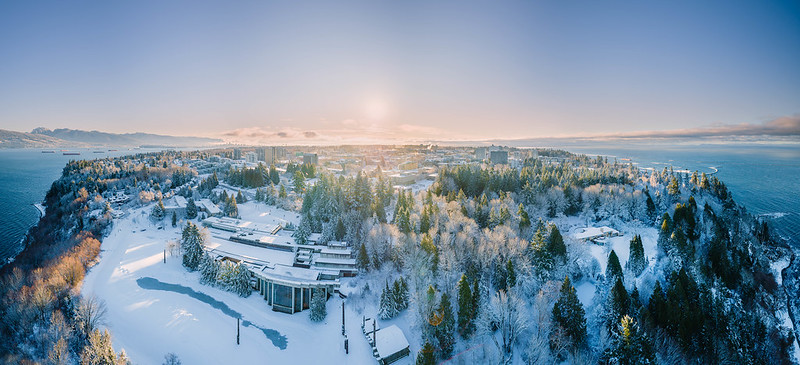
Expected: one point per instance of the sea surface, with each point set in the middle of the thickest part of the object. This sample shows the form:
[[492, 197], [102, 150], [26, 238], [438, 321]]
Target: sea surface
[[25, 177], [764, 178]]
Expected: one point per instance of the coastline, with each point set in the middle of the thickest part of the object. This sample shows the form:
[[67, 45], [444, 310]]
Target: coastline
[[40, 207]]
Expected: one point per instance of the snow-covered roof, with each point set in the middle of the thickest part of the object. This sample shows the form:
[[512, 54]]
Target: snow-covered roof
[[180, 201], [389, 341], [210, 207], [593, 232]]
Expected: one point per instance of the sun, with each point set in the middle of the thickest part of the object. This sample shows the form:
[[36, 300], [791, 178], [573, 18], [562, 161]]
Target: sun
[[376, 109]]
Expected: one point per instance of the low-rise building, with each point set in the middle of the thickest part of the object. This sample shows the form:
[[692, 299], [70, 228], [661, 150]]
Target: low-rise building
[[498, 157]]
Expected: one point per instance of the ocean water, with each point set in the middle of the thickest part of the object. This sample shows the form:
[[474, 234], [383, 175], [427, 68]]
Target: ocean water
[[25, 178]]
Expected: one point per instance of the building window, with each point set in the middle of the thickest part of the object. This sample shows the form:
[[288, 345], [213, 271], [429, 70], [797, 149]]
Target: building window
[[283, 296]]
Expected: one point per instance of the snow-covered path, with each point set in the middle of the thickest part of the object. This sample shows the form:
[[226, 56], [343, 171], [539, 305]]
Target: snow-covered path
[[150, 323]]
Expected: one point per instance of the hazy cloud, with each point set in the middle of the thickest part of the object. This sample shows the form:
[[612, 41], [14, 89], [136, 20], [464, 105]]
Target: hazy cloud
[[780, 127]]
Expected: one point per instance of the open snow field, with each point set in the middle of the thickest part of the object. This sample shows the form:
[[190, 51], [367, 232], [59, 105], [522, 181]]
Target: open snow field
[[155, 308]]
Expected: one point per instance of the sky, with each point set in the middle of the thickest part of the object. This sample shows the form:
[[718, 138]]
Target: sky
[[350, 71]]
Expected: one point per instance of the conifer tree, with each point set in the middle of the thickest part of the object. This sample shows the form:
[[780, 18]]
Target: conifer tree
[[240, 198], [426, 355], [318, 306], [209, 269], [299, 182], [192, 242], [341, 230], [241, 281], [511, 275], [191, 209], [651, 207], [444, 331], [555, 243], [159, 211], [613, 269], [303, 231], [362, 260], [282, 194], [618, 304], [569, 315], [386, 307], [466, 323], [630, 345], [637, 261], [425, 221], [657, 306], [402, 293], [427, 244], [524, 219], [673, 188], [174, 219]]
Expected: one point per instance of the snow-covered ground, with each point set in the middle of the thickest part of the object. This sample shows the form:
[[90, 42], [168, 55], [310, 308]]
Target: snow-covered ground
[[777, 268], [621, 245], [585, 291], [150, 323]]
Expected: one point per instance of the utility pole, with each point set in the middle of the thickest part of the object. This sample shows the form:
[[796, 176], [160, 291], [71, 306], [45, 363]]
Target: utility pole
[[346, 347], [237, 331]]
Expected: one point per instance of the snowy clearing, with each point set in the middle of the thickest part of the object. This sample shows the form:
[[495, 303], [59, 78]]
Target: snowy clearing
[[155, 308]]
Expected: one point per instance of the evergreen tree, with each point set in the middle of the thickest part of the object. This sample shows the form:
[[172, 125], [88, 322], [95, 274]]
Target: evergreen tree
[[241, 281], [466, 310], [657, 306], [318, 306], [174, 219], [651, 207], [274, 176], [159, 212], [282, 194], [427, 244], [637, 261], [569, 315], [231, 208], [630, 345], [618, 304], [299, 182], [425, 221], [426, 355], [511, 275], [524, 220], [704, 184], [403, 220], [362, 260], [209, 269], [341, 230], [192, 242], [386, 306], [476, 299], [303, 231], [673, 188], [444, 331], [613, 269], [402, 293], [555, 243], [240, 198], [191, 209]]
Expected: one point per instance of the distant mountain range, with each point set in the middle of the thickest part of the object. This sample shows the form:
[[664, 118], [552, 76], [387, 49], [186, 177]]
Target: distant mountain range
[[62, 137]]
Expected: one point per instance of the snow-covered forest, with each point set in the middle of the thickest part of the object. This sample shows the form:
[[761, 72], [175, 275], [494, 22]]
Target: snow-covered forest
[[484, 263]]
